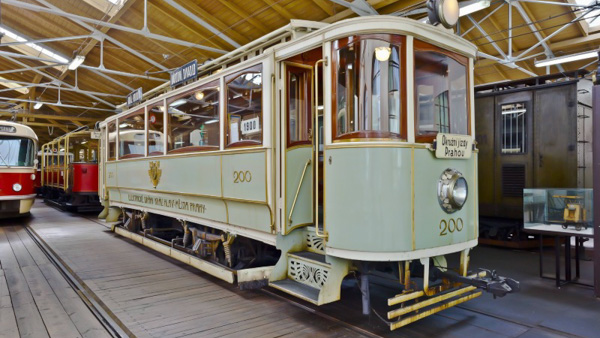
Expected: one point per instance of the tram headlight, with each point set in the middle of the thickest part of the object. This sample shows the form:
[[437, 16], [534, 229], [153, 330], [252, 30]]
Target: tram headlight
[[33, 177], [453, 190], [17, 187]]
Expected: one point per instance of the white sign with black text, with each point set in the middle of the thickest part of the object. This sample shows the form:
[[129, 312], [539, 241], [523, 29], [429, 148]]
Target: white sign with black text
[[453, 146]]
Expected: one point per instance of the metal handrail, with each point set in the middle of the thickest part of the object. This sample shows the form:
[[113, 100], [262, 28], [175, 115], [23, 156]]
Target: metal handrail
[[298, 190], [323, 235]]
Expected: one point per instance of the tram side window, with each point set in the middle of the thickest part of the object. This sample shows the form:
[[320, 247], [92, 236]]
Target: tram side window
[[156, 129], [368, 101], [244, 107], [112, 141], [514, 134], [441, 92], [194, 120], [132, 135]]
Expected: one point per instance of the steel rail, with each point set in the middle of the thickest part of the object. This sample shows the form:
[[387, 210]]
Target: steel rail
[[105, 316]]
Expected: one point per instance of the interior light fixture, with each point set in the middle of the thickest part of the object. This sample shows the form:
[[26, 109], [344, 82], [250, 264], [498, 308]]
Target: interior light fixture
[[468, 7], [382, 53], [38, 48], [178, 103], [38, 105], [77, 61], [211, 121], [199, 95], [567, 58]]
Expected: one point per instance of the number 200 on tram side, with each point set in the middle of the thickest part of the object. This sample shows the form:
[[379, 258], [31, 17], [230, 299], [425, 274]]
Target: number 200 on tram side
[[18, 149], [338, 148]]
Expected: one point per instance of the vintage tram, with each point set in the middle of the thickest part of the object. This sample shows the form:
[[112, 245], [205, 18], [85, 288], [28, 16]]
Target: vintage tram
[[69, 171], [18, 147], [316, 151], [531, 133]]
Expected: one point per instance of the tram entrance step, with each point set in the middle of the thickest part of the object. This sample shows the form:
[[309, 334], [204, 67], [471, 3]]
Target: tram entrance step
[[303, 291]]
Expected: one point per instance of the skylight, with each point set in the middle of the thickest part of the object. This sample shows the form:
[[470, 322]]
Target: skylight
[[39, 49], [13, 85], [593, 18]]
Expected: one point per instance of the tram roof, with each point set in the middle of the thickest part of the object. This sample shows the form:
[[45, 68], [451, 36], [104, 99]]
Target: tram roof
[[21, 130], [121, 56]]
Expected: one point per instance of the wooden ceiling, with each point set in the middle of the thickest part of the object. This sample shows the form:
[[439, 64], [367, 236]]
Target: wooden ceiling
[[178, 31]]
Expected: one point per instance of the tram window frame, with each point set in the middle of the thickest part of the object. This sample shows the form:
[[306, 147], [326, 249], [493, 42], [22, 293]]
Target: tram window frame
[[158, 118], [258, 68], [303, 134], [111, 127], [422, 46], [172, 139], [523, 131], [398, 41], [128, 119]]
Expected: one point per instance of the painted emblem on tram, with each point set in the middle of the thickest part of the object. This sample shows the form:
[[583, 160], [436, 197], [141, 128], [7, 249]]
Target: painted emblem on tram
[[155, 173]]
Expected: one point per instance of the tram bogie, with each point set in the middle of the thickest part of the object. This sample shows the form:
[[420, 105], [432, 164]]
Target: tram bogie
[[338, 148], [18, 148]]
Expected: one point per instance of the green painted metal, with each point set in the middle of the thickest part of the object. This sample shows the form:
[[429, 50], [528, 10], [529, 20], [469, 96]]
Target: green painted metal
[[295, 162]]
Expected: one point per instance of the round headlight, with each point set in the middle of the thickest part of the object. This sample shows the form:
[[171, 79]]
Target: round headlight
[[452, 190], [17, 187], [33, 177]]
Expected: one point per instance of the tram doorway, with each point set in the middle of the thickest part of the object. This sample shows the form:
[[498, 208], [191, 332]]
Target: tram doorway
[[300, 153]]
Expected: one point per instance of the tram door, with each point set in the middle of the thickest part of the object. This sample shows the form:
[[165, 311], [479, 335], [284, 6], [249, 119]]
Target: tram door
[[298, 105]]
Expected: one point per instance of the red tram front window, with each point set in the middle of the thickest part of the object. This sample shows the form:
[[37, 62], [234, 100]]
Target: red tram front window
[[16, 151], [368, 86], [244, 107], [194, 120], [441, 96]]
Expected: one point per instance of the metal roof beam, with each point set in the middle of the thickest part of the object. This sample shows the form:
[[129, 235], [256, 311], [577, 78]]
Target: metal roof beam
[[50, 86], [484, 18], [535, 32], [563, 27], [48, 116], [57, 104], [202, 23], [360, 7], [60, 81], [149, 35], [115, 81], [65, 38]]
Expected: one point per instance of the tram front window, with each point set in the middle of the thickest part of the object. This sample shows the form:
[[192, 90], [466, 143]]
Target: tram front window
[[368, 87], [441, 92], [16, 151]]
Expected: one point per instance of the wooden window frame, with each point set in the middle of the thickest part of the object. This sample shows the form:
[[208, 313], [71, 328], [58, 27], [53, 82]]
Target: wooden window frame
[[422, 46], [229, 78], [307, 105], [370, 135]]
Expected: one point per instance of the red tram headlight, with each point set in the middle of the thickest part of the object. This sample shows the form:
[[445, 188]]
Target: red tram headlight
[[17, 187]]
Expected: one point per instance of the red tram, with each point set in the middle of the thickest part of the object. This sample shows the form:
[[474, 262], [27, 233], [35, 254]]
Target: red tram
[[70, 172], [18, 145]]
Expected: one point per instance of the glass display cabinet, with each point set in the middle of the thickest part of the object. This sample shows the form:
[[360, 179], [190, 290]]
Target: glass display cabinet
[[560, 211]]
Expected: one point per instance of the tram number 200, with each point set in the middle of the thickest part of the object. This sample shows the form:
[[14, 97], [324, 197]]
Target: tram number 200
[[242, 176], [451, 226]]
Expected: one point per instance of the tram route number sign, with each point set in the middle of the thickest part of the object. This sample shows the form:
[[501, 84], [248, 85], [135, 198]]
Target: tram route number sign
[[8, 129], [453, 146], [250, 126], [184, 73], [134, 97]]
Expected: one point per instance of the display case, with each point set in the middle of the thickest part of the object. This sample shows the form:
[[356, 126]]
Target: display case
[[568, 211]]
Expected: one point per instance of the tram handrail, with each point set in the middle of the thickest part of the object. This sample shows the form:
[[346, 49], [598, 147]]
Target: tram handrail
[[323, 235], [298, 190]]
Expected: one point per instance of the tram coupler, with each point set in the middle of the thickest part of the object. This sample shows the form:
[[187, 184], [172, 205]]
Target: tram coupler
[[498, 286]]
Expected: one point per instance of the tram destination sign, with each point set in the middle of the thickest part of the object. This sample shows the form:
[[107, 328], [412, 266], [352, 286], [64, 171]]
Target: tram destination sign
[[134, 97], [8, 129], [453, 146], [184, 73]]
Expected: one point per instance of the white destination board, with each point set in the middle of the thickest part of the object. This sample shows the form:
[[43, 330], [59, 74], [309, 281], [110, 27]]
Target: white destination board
[[95, 135], [250, 126], [453, 146]]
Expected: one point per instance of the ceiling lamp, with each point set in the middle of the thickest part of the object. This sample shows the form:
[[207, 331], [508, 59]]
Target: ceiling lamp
[[468, 7], [567, 58], [77, 61], [443, 11], [38, 105], [199, 95]]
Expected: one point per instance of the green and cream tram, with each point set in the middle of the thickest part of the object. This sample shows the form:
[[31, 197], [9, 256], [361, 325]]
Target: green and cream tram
[[318, 150]]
